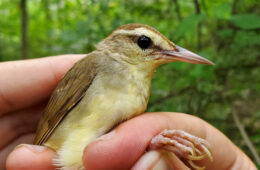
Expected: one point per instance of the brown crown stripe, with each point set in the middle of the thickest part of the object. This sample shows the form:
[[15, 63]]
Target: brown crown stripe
[[134, 26]]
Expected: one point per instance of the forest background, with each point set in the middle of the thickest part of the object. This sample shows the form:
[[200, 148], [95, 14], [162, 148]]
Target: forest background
[[227, 32]]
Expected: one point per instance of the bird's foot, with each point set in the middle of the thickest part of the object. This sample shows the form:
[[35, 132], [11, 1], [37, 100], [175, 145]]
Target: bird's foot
[[184, 145]]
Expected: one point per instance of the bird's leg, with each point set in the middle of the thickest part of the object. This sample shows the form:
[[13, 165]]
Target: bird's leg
[[184, 145]]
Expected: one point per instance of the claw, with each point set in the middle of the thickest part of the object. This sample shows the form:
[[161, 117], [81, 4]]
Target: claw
[[208, 152], [196, 166], [198, 151], [196, 158], [184, 145]]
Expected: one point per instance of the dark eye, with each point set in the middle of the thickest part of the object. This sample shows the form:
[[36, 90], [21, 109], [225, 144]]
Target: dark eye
[[144, 42]]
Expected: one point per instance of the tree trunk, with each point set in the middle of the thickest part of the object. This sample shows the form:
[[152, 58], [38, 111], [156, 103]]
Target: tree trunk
[[23, 29], [177, 9], [198, 12], [46, 8], [234, 6], [204, 6], [197, 6]]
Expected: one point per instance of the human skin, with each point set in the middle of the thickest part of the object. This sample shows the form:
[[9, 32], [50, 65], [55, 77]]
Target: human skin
[[25, 87]]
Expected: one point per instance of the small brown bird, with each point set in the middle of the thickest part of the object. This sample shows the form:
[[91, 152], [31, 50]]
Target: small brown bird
[[108, 86]]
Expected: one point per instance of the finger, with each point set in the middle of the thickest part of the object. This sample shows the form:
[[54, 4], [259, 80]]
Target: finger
[[4, 152], [242, 162], [26, 82], [30, 157], [18, 123], [122, 147], [159, 160]]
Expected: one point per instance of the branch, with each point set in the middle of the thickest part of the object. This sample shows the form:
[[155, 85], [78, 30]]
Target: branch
[[245, 137]]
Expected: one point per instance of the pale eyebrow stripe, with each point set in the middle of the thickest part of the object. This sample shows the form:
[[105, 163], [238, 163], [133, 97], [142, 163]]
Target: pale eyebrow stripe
[[157, 38], [128, 32]]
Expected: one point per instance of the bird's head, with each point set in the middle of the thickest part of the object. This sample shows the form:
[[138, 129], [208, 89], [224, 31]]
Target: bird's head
[[138, 43]]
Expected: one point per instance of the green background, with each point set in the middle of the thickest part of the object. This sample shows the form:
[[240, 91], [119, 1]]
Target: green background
[[225, 31]]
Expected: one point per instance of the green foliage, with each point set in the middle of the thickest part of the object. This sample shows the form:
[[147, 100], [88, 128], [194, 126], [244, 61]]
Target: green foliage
[[222, 11], [246, 21], [188, 26], [225, 31]]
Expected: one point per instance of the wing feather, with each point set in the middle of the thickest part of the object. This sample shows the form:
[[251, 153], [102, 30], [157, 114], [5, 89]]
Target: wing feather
[[67, 94]]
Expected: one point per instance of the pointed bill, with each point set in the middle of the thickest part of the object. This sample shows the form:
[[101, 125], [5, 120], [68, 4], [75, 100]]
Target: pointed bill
[[181, 54]]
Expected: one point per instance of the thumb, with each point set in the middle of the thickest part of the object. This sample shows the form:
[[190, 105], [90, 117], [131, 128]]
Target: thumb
[[122, 147], [30, 157]]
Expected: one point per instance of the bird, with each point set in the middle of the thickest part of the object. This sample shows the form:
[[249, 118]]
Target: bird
[[108, 86]]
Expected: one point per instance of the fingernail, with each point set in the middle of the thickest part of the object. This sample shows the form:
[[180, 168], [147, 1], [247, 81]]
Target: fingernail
[[34, 148]]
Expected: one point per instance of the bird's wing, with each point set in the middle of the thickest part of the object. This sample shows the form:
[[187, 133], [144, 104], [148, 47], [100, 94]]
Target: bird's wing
[[67, 94]]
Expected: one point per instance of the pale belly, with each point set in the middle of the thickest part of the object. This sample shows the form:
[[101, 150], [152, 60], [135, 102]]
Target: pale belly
[[92, 117]]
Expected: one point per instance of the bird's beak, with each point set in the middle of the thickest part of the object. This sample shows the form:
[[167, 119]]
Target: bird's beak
[[181, 54]]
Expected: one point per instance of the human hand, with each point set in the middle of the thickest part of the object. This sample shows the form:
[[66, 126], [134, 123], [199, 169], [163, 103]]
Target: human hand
[[25, 87], [122, 148]]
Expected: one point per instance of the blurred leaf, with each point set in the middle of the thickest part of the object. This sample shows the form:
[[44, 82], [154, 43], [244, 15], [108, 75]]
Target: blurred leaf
[[258, 166], [225, 33], [244, 38], [222, 11], [188, 26], [218, 111], [246, 21]]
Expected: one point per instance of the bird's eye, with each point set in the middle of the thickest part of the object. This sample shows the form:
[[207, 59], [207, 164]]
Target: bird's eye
[[144, 42]]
